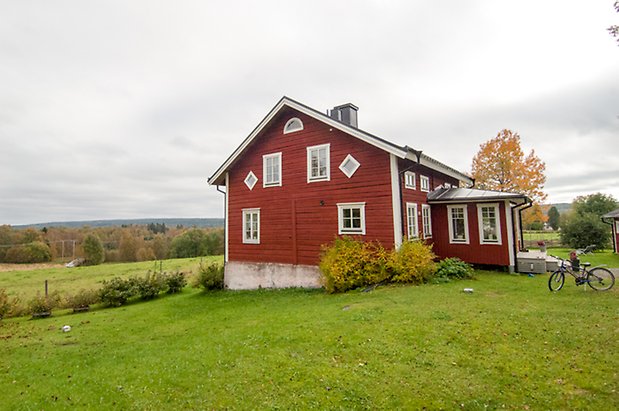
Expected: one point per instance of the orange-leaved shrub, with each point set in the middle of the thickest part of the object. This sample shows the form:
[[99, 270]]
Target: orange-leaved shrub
[[348, 263]]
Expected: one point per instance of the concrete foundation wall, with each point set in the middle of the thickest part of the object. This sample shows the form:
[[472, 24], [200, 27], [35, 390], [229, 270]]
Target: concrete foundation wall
[[247, 276]]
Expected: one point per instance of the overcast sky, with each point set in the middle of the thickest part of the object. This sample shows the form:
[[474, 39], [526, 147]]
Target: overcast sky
[[117, 109]]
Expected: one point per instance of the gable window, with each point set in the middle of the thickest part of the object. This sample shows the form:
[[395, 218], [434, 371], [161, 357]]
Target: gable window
[[409, 180], [349, 166], [251, 226], [424, 181], [458, 224], [426, 220], [489, 226], [292, 125], [411, 218], [318, 163], [251, 180], [351, 218], [272, 170]]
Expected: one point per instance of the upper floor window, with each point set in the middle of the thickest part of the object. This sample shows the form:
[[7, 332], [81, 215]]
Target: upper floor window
[[349, 166], [272, 170], [424, 181], [458, 224], [318, 163], [410, 180], [411, 218], [489, 226], [292, 125], [351, 218], [251, 226]]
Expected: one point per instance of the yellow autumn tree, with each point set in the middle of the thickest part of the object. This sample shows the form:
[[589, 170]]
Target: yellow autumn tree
[[501, 165], [533, 218]]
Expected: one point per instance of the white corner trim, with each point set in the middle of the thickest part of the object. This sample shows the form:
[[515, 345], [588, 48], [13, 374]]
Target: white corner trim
[[226, 218], [510, 233], [396, 201]]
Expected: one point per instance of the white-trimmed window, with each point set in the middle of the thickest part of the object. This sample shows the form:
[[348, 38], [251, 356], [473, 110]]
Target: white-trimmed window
[[318, 168], [349, 166], [424, 181], [272, 170], [411, 219], [489, 223], [292, 125], [251, 180], [351, 218], [251, 226], [410, 180], [458, 224], [617, 226], [426, 220]]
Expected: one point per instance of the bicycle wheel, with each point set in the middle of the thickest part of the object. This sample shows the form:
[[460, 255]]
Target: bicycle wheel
[[556, 280], [600, 279]]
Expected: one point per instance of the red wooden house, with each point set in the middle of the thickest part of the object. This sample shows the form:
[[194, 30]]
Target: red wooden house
[[303, 177], [612, 219]]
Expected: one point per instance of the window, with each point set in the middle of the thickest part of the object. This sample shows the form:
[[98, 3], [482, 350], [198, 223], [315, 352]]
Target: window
[[409, 180], [349, 166], [272, 170], [458, 224], [251, 226], [318, 163], [292, 125], [489, 226], [251, 180], [351, 218], [426, 220], [411, 218], [425, 183]]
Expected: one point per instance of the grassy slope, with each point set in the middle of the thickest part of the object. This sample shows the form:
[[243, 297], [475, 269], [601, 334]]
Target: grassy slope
[[606, 257], [510, 344], [27, 283]]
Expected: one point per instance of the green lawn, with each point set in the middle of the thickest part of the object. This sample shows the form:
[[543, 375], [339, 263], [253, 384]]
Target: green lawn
[[511, 344], [602, 257], [26, 283]]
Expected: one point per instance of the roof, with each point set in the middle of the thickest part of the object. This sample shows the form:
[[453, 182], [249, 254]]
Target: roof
[[612, 214], [218, 178], [459, 195]]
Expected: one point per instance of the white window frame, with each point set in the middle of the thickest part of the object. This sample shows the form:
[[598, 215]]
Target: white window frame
[[352, 160], [247, 183], [292, 125], [497, 217], [410, 180], [426, 220], [450, 221], [412, 221], [254, 214], [424, 183], [265, 177], [317, 148], [340, 218], [617, 226]]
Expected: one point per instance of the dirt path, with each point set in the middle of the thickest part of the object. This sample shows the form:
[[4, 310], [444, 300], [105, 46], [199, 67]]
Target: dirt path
[[23, 267]]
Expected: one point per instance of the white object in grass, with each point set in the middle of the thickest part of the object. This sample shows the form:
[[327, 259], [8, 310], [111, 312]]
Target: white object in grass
[[66, 328], [468, 290]]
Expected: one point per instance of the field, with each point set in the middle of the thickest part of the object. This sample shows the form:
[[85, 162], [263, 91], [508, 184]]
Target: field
[[510, 344]]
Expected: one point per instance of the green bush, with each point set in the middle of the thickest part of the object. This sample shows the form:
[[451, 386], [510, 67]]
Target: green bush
[[5, 304], [210, 276], [117, 291], [41, 304], [94, 253], [149, 286], [175, 282], [413, 263], [35, 252], [349, 264], [82, 299], [453, 268]]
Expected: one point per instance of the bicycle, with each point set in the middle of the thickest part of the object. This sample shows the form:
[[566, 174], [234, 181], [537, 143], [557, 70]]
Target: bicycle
[[598, 278]]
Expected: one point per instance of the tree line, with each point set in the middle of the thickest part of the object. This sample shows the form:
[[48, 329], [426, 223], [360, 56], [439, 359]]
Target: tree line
[[131, 243]]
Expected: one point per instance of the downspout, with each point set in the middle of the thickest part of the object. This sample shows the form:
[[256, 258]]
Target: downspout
[[225, 225], [612, 232]]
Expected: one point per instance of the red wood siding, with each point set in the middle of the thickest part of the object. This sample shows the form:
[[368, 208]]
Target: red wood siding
[[416, 195], [298, 217], [474, 252]]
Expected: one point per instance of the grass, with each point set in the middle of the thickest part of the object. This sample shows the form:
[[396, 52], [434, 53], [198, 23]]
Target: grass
[[26, 283], [602, 257], [541, 235], [511, 344]]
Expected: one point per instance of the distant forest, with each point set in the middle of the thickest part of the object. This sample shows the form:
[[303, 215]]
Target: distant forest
[[123, 241], [169, 222]]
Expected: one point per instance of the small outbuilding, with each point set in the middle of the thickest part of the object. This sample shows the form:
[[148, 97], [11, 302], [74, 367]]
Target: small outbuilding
[[612, 219]]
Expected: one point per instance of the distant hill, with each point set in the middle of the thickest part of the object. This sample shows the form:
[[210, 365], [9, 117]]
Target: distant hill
[[561, 207], [170, 222]]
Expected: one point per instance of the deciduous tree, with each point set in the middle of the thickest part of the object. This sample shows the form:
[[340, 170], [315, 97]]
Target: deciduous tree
[[533, 218], [93, 250], [553, 217], [501, 165]]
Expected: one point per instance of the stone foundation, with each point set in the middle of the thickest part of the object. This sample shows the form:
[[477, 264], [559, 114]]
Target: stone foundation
[[247, 276]]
